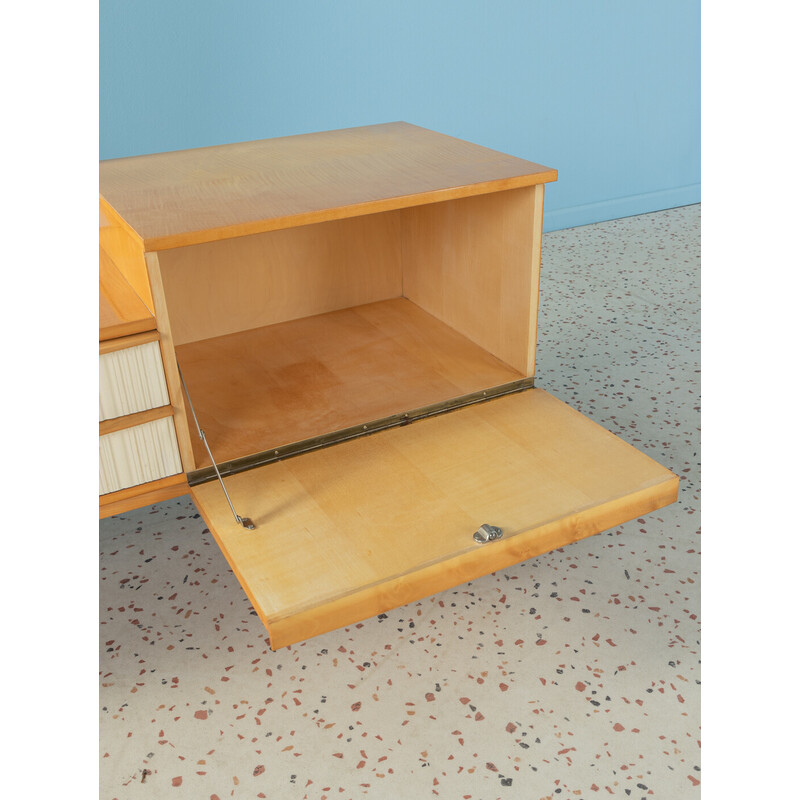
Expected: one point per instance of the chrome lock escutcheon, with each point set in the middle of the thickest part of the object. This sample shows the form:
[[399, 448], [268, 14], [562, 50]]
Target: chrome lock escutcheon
[[487, 533]]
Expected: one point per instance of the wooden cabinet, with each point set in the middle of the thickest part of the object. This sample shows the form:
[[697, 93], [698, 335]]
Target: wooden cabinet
[[351, 317]]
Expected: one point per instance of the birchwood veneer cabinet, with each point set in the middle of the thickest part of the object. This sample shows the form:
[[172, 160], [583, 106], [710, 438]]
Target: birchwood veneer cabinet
[[351, 316]]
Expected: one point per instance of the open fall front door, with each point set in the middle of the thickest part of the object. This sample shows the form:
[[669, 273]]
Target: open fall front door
[[350, 531]]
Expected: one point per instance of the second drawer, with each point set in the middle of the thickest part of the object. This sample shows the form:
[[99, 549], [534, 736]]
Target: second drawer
[[139, 454]]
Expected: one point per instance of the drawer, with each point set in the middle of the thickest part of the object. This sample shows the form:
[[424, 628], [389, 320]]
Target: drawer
[[138, 454], [132, 380]]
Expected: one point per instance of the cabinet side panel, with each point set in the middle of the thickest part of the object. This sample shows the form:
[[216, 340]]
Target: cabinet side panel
[[536, 264], [239, 284], [469, 263]]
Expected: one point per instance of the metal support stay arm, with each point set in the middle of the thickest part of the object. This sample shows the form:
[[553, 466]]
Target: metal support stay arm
[[245, 522]]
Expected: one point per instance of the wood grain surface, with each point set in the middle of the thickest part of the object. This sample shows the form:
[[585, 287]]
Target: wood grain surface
[[275, 385], [348, 532], [171, 373], [126, 250], [124, 342], [144, 494], [122, 311], [205, 194], [236, 284], [474, 264], [134, 419]]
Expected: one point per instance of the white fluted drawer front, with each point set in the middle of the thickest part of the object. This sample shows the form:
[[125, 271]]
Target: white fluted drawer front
[[132, 380], [139, 454]]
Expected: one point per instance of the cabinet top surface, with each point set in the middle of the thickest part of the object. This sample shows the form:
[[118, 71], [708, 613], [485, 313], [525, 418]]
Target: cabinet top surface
[[205, 194]]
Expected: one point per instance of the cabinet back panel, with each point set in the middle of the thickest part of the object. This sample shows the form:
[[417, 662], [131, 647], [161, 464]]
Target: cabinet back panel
[[239, 284]]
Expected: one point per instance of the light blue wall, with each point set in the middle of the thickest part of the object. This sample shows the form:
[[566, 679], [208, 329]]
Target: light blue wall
[[606, 91]]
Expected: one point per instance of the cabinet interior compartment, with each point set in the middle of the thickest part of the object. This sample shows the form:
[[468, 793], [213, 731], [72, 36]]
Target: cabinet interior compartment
[[292, 334]]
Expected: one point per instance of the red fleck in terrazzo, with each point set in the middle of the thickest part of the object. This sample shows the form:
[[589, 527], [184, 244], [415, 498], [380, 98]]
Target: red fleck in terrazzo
[[574, 674]]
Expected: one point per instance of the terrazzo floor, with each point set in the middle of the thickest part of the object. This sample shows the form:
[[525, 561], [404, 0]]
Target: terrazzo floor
[[574, 674]]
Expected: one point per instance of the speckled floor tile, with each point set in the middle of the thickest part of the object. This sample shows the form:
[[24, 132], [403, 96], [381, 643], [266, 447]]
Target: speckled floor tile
[[574, 674]]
